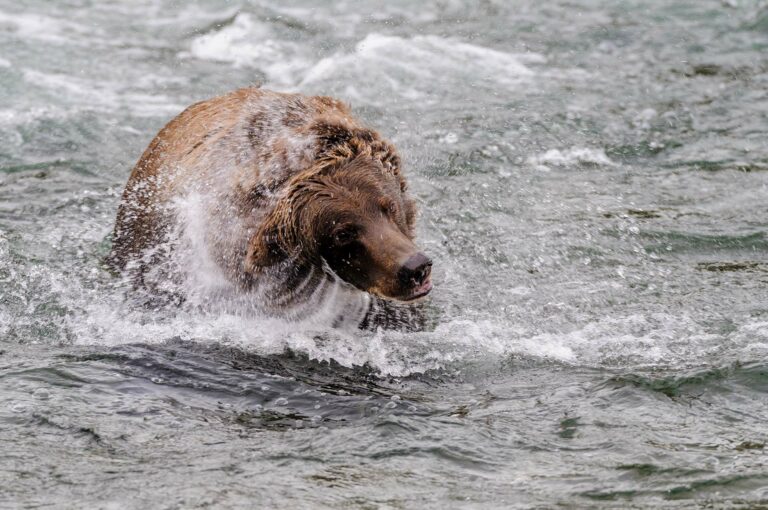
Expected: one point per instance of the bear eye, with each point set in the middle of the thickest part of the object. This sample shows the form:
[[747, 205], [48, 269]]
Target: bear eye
[[389, 209], [345, 235]]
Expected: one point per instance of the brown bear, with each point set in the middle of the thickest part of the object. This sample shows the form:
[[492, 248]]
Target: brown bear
[[284, 197]]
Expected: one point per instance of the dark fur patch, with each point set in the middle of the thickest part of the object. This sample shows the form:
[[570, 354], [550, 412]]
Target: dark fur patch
[[295, 116], [255, 128], [330, 134]]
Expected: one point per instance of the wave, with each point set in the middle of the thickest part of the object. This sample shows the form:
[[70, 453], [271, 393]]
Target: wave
[[424, 67], [574, 156], [427, 68], [107, 318], [43, 28], [248, 43], [100, 95]]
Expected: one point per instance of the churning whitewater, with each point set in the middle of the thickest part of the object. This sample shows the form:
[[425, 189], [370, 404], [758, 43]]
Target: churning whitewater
[[591, 182]]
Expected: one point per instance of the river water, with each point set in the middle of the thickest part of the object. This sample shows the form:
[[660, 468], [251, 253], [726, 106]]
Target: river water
[[593, 185]]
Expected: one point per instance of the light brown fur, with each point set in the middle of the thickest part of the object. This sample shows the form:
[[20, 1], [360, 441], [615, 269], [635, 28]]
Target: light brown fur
[[280, 171]]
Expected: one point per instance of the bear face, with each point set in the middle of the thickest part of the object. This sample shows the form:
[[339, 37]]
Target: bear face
[[354, 217]]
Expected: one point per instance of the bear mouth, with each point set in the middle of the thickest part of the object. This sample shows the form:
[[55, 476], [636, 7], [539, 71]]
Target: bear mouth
[[420, 291]]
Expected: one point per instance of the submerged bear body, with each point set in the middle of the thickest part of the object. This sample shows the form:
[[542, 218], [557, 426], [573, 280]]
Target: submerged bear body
[[284, 199]]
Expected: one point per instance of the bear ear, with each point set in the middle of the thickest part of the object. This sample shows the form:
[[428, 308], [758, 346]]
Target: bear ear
[[331, 133], [334, 133]]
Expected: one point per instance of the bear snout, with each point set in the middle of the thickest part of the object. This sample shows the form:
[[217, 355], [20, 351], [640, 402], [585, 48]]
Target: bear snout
[[415, 275]]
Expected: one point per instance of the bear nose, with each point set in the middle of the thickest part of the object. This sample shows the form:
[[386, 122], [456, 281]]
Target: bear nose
[[416, 270]]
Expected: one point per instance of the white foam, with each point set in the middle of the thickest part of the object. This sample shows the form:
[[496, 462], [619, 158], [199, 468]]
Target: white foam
[[102, 311], [391, 352], [755, 337], [105, 315], [248, 43], [34, 26], [634, 340], [575, 156], [345, 22], [425, 67], [190, 15], [43, 28]]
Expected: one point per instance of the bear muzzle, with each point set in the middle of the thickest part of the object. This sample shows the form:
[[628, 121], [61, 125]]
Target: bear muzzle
[[415, 275]]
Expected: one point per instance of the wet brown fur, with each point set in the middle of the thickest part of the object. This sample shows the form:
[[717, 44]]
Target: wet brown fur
[[274, 162]]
